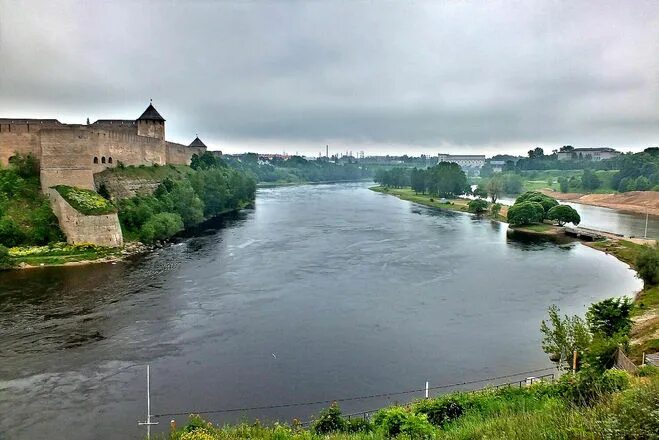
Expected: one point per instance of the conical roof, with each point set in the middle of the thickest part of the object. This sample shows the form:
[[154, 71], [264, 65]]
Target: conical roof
[[151, 114], [197, 143]]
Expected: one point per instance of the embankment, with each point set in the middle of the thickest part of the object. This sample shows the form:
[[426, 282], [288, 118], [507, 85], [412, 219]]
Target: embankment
[[638, 202]]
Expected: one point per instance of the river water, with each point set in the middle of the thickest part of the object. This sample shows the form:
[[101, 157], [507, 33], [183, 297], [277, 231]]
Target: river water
[[319, 292]]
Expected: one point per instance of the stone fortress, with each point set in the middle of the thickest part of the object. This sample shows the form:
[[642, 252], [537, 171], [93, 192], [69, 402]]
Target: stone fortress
[[70, 154]]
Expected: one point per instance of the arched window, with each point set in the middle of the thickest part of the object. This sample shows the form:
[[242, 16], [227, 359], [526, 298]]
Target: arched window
[[109, 160], [103, 159], [96, 160]]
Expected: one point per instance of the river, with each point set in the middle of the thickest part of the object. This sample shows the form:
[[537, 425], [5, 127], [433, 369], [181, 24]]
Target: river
[[319, 292]]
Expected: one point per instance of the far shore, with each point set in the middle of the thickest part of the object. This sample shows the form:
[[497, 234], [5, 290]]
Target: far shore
[[637, 202]]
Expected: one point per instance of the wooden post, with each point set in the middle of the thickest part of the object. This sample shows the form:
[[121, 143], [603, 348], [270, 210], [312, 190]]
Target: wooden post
[[574, 362], [643, 360], [172, 425]]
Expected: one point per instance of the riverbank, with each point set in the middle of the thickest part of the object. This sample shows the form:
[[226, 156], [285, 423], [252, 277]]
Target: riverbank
[[637, 202], [645, 333]]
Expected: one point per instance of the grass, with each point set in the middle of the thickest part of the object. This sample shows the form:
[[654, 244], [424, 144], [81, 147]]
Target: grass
[[457, 204], [85, 201], [535, 412], [58, 253]]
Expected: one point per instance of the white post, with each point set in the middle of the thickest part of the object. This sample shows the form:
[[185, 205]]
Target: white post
[[645, 235], [148, 422], [426, 389]]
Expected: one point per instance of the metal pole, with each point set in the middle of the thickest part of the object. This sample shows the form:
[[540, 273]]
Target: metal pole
[[426, 389], [645, 235], [148, 422]]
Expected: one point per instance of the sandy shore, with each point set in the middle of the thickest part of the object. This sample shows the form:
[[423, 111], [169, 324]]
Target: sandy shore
[[638, 202]]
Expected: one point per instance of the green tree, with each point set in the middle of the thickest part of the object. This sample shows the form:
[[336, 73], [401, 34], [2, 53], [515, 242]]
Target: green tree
[[525, 213], [642, 183], [5, 259], [495, 187], [562, 214], [563, 184], [564, 335], [205, 161], [590, 181], [647, 265], [478, 206], [494, 210], [161, 227], [610, 317], [535, 196], [480, 192]]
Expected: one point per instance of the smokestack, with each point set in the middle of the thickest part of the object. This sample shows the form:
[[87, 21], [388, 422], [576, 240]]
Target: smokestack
[[326, 150]]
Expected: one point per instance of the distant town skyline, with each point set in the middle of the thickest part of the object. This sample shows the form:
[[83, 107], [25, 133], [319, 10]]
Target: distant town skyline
[[395, 78]]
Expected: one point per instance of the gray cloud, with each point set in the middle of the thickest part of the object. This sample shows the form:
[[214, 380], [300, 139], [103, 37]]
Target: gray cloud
[[381, 76]]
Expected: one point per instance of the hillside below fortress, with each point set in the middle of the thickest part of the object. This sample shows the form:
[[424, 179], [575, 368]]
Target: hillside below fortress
[[70, 154]]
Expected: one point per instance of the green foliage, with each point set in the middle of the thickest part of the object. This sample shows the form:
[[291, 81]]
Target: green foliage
[[205, 161], [190, 197], [525, 213], [648, 371], [647, 265], [587, 386], [5, 261], [495, 187], [639, 171], [562, 336], [494, 209], [442, 410], [533, 196], [590, 181], [25, 166], [600, 355], [563, 184], [478, 206], [11, 233], [480, 192], [564, 214], [329, 420], [396, 420], [86, 201], [610, 317], [445, 179], [161, 226]]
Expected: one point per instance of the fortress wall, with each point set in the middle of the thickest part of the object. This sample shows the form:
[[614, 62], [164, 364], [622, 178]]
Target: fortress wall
[[22, 143], [28, 126], [102, 230], [179, 154]]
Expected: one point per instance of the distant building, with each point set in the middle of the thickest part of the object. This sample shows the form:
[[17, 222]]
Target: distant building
[[497, 165], [464, 160], [594, 154]]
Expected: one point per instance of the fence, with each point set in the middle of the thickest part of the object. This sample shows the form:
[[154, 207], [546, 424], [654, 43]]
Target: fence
[[622, 362], [366, 415]]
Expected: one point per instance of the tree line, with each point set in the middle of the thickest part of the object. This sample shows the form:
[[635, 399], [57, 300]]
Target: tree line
[[211, 189], [446, 179]]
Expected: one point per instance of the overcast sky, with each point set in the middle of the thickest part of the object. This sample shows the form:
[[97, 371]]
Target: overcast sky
[[381, 76]]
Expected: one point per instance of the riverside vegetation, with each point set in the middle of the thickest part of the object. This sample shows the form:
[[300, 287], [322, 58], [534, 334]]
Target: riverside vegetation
[[593, 403], [30, 234]]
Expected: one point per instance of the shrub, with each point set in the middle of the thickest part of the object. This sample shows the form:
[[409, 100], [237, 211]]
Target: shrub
[[85, 201], [161, 227], [562, 336], [562, 214], [442, 410], [358, 425], [329, 420], [587, 386], [494, 209], [648, 371], [647, 265], [26, 166], [610, 317], [10, 233], [478, 206], [563, 184], [394, 421], [5, 259], [525, 213]]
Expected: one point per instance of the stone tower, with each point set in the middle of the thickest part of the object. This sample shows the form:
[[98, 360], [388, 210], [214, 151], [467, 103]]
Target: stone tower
[[151, 124]]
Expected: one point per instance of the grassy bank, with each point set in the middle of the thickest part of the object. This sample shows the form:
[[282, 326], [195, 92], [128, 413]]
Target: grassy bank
[[645, 333], [614, 406], [460, 205], [59, 253]]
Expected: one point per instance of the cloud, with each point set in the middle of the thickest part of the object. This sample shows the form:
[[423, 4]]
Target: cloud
[[387, 76]]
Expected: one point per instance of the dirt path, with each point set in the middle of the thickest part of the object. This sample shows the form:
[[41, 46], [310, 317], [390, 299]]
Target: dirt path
[[634, 201]]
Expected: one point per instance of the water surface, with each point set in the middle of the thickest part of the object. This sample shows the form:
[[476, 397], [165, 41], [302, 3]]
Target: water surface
[[320, 292]]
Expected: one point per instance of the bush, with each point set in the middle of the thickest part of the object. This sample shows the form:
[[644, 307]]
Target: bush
[[563, 184], [161, 227], [610, 317], [494, 209], [647, 265], [648, 371], [562, 214], [525, 213], [633, 414], [478, 206], [85, 201], [587, 386], [10, 233], [442, 410], [5, 259], [396, 420], [358, 425], [329, 420]]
